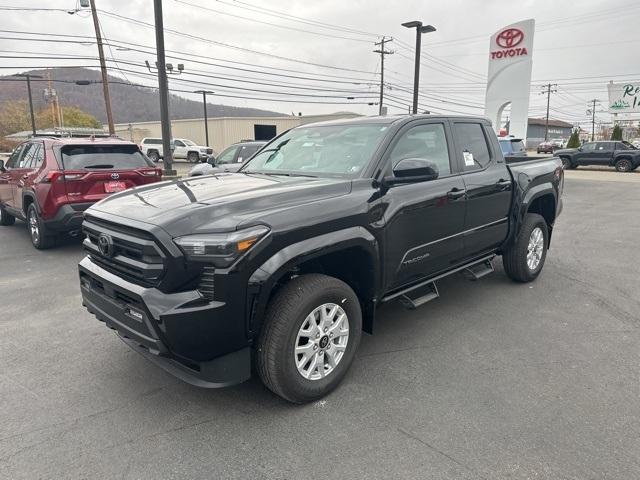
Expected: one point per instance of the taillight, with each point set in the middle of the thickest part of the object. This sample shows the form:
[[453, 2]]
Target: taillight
[[57, 175], [151, 173]]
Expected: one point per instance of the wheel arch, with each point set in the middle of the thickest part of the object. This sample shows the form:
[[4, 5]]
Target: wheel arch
[[27, 199], [350, 255]]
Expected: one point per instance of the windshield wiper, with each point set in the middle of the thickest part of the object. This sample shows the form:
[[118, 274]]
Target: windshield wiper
[[278, 174], [99, 165]]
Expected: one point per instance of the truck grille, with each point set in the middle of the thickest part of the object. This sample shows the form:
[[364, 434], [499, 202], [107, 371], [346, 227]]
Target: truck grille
[[131, 253], [205, 285]]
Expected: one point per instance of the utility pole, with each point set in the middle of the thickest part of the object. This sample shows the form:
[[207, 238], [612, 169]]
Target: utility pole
[[382, 53], [103, 69], [593, 118], [549, 90], [163, 90], [420, 29], [28, 77], [206, 121], [50, 95]]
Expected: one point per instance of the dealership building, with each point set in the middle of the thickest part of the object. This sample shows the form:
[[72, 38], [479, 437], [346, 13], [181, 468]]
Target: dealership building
[[536, 127]]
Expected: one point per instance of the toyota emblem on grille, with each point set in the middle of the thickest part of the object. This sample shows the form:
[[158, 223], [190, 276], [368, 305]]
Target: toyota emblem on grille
[[115, 176], [105, 245]]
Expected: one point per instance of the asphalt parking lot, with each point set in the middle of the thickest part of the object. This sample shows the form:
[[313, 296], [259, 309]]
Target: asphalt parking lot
[[493, 380]]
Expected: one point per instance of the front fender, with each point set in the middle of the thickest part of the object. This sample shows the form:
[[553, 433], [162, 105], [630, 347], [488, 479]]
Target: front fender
[[264, 279]]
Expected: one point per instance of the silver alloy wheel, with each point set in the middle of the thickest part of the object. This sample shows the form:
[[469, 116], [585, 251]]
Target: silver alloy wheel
[[321, 341], [535, 248], [34, 228]]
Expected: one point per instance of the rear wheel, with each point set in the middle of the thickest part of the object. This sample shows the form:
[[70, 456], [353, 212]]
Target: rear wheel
[[193, 157], [624, 165], [523, 259], [41, 237], [309, 338], [5, 218], [153, 155]]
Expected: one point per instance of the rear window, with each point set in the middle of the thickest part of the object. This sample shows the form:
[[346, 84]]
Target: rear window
[[76, 157], [517, 146], [152, 141]]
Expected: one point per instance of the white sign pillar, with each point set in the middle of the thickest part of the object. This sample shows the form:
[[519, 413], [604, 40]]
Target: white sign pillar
[[509, 78]]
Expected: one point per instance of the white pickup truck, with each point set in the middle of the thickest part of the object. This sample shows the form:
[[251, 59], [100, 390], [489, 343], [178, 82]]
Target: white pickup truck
[[184, 149]]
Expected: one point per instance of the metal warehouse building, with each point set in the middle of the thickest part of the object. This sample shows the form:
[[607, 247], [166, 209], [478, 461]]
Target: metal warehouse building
[[557, 129], [223, 131]]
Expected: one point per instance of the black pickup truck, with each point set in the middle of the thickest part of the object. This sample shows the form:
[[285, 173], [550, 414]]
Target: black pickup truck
[[282, 265], [621, 155]]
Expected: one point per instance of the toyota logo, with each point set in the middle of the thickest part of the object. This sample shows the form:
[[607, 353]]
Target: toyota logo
[[510, 38], [115, 176], [105, 245]]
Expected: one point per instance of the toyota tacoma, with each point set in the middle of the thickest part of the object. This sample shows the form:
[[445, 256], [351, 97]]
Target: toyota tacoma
[[279, 267]]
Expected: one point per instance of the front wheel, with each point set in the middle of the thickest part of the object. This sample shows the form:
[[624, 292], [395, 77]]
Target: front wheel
[[624, 165], [566, 163], [523, 259], [309, 338]]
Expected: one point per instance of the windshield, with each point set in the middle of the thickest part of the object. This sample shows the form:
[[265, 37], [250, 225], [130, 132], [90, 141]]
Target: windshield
[[335, 150], [76, 157], [188, 142]]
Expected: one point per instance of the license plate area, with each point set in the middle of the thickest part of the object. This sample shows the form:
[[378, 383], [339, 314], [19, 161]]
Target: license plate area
[[113, 187]]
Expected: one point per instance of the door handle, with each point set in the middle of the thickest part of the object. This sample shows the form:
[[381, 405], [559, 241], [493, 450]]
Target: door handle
[[456, 193], [503, 184]]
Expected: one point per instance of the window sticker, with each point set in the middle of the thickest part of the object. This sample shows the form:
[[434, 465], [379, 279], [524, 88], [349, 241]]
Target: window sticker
[[468, 159]]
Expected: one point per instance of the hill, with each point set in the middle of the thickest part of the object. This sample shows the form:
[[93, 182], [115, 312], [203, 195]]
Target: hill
[[129, 104]]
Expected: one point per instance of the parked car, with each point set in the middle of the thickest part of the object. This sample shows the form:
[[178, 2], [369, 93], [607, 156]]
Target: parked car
[[558, 143], [184, 149], [512, 147], [545, 147], [230, 160], [284, 263], [621, 155], [50, 182]]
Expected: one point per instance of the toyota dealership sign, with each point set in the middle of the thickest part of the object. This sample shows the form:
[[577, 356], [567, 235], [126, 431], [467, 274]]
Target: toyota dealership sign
[[509, 76], [624, 98]]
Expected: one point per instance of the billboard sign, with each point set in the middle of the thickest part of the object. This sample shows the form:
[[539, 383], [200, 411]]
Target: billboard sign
[[509, 76], [624, 97]]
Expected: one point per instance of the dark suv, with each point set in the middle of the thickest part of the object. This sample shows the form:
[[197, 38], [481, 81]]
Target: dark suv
[[50, 182]]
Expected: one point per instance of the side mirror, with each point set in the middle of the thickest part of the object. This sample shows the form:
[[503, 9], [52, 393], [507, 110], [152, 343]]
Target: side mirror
[[580, 148], [412, 170], [2, 169], [211, 161]]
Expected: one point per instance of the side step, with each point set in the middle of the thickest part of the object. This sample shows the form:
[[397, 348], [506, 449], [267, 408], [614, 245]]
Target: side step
[[418, 297], [479, 270]]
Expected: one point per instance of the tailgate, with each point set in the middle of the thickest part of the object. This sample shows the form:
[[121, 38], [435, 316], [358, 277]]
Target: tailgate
[[88, 186]]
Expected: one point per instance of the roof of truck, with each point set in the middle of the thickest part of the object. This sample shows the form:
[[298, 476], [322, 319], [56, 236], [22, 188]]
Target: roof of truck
[[392, 119]]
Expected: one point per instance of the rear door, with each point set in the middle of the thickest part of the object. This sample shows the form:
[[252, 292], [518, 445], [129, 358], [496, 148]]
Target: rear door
[[91, 172], [488, 185], [6, 189]]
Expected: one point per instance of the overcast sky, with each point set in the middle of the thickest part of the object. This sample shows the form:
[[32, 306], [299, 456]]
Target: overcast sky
[[580, 45]]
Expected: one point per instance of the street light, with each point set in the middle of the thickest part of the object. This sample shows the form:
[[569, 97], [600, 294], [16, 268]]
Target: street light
[[206, 122], [420, 29], [29, 76]]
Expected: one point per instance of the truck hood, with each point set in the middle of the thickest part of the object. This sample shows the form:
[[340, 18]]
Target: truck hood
[[217, 202]]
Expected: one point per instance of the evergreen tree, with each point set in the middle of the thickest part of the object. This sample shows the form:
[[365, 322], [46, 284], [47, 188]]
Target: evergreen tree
[[617, 133], [574, 139]]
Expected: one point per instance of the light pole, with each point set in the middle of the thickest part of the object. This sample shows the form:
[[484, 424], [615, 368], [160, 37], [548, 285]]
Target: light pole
[[420, 29], [28, 76], [206, 122]]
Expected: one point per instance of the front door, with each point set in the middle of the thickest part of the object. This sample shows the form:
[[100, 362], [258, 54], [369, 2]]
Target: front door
[[587, 154], [424, 220], [6, 190], [180, 150], [20, 175]]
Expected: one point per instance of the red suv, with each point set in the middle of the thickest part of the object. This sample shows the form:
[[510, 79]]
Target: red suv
[[50, 182]]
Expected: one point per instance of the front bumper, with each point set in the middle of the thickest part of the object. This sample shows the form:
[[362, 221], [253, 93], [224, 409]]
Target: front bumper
[[176, 331]]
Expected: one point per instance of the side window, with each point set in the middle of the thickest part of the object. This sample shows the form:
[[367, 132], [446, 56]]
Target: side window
[[473, 142], [13, 160], [28, 155], [178, 143], [588, 147], [39, 157], [424, 141], [227, 156], [246, 152]]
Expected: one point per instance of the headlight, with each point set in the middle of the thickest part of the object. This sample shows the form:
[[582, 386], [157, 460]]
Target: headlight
[[221, 249], [203, 150]]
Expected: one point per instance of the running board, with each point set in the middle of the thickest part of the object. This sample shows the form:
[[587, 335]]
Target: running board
[[418, 297], [479, 270], [408, 291]]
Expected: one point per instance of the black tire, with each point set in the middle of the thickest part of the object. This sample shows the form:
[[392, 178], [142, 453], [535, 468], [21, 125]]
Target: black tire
[[5, 218], [514, 258], [41, 237], [566, 163], [624, 165], [193, 157], [153, 155], [286, 313]]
